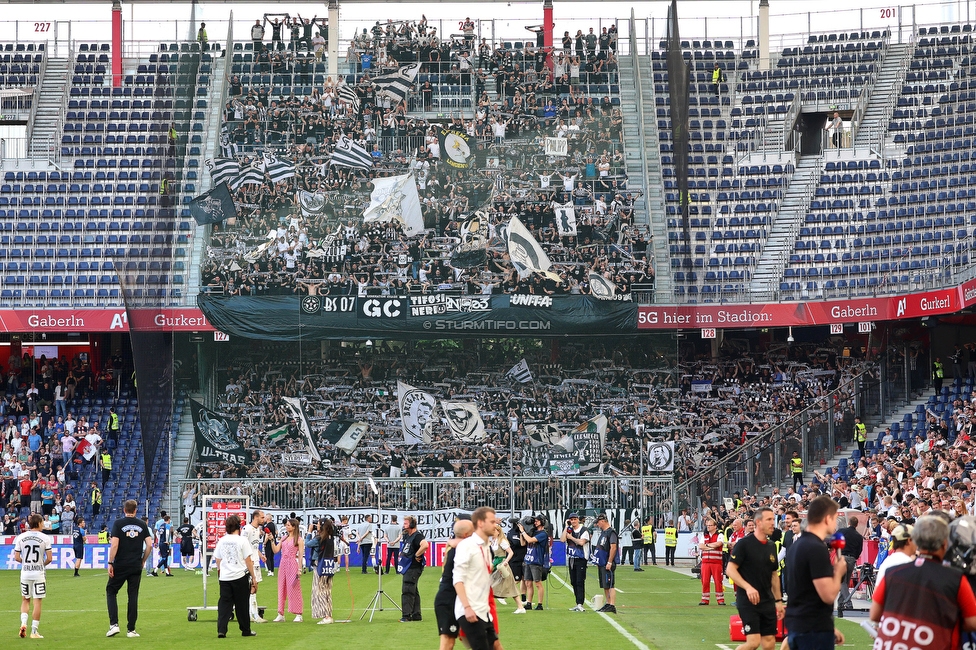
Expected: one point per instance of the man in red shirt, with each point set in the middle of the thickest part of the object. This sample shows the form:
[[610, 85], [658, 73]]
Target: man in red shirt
[[903, 618]]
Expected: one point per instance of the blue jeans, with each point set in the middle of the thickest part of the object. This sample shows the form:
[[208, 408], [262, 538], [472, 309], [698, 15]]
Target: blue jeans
[[811, 641], [638, 553]]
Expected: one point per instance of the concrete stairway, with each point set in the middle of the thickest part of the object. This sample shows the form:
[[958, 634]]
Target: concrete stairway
[[182, 455], [779, 241], [45, 131], [890, 79], [649, 209]]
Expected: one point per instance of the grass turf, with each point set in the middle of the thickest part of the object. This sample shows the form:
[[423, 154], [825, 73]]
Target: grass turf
[[658, 607]]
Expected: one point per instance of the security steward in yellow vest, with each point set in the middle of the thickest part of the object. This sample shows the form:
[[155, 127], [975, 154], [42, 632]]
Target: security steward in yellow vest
[[938, 372], [860, 435], [717, 78], [796, 469], [96, 499], [105, 460], [103, 535], [649, 536], [670, 543]]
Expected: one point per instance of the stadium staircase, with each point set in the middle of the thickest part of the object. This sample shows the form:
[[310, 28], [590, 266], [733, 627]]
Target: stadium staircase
[[650, 209], [46, 126], [787, 224], [874, 126], [182, 455]]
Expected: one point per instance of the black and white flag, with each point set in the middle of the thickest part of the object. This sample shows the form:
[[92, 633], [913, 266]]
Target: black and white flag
[[397, 84], [548, 435], [346, 434], [601, 288], [347, 94], [525, 252], [228, 149], [214, 206], [223, 169], [660, 456], [301, 420], [279, 170], [464, 420], [416, 408], [396, 198], [565, 218], [312, 203], [520, 372], [248, 176], [349, 154]]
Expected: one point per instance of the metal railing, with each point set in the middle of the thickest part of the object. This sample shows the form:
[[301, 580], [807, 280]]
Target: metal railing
[[25, 148], [876, 143], [817, 432], [639, 93]]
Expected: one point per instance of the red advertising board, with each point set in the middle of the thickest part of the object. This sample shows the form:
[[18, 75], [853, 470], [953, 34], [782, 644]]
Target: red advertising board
[[929, 303], [179, 319], [217, 514]]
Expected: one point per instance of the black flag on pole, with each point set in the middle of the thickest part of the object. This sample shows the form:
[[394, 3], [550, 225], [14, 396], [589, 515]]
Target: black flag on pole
[[678, 83]]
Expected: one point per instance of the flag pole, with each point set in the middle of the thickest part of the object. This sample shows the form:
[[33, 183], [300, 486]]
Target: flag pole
[[511, 465]]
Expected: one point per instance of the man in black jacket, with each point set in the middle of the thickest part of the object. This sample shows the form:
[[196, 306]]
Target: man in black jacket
[[854, 543]]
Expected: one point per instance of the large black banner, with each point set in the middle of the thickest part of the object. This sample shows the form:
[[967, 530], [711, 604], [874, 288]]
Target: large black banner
[[290, 318], [216, 437]]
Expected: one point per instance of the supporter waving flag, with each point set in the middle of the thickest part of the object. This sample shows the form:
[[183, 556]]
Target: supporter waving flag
[[349, 154], [279, 170], [464, 420], [565, 218], [397, 84], [601, 288], [525, 252], [416, 408], [396, 198], [520, 372], [347, 95], [248, 176], [548, 435], [223, 169]]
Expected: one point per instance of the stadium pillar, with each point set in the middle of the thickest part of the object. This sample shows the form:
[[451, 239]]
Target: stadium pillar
[[764, 34], [116, 43], [334, 40], [547, 26]]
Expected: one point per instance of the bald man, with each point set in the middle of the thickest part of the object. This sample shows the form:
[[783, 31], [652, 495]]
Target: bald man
[[447, 625]]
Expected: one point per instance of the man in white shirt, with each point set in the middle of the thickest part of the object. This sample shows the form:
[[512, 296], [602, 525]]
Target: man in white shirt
[[394, 533], [366, 542], [33, 550], [472, 581], [254, 534], [236, 574], [902, 550]]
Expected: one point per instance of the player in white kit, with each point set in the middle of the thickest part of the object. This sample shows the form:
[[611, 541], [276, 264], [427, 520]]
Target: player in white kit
[[33, 550], [254, 534]]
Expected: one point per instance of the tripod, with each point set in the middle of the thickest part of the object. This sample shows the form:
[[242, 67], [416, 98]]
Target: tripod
[[376, 603], [865, 576]]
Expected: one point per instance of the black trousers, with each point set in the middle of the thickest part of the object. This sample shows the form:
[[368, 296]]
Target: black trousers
[[269, 554], [391, 557], [131, 577], [577, 578], [627, 555], [797, 479], [669, 552], [234, 596], [653, 550], [480, 634], [410, 596], [366, 550]]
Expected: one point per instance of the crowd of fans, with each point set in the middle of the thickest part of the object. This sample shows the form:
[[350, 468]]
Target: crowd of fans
[[326, 248], [644, 393]]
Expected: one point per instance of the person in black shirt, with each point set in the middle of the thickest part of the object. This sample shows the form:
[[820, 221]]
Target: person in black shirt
[[517, 563], [851, 552], [605, 554], [185, 533], [753, 568], [126, 556], [813, 582], [447, 626], [78, 543], [410, 565]]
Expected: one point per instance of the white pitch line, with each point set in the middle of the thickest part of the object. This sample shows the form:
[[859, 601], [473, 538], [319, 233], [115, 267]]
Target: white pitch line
[[640, 645]]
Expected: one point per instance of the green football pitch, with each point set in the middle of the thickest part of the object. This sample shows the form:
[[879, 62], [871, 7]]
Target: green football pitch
[[657, 609]]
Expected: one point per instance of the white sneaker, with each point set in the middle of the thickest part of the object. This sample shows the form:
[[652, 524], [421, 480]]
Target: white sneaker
[[132, 635], [325, 621], [270, 574], [502, 601], [298, 619], [113, 630], [279, 619], [520, 610], [258, 620], [578, 608], [35, 635]]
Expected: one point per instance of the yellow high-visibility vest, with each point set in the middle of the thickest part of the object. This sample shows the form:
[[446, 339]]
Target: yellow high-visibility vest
[[796, 464], [670, 536], [648, 534]]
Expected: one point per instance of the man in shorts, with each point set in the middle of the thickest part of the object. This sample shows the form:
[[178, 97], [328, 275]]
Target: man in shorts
[[447, 625], [536, 561], [754, 569], [605, 554], [33, 550]]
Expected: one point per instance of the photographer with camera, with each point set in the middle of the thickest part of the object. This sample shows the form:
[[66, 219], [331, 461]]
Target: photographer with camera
[[517, 563], [576, 537], [536, 558], [813, 582]]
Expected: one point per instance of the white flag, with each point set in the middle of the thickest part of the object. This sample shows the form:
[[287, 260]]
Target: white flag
[[565, 218], [395, 197], [526, 254], [416, 408], [601, 288], [548, 435], [660, 456], [464, 420], [397, 84], [520, 372], [351, 437]]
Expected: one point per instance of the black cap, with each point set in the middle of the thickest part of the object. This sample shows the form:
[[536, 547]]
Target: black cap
[[602, 517]]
